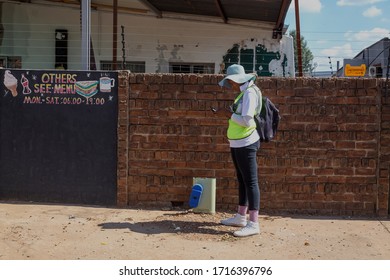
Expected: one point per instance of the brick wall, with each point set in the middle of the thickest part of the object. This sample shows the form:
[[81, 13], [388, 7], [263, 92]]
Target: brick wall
[[331, 155], [383, 190]]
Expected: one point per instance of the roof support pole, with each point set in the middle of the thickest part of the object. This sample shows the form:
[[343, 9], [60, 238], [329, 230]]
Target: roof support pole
[[298, 38], [282, 15], [221, 11], [85, 34], [115, 35], [157, 12]]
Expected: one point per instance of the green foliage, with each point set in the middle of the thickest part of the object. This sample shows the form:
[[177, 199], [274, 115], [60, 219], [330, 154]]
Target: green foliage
[[307, 55]]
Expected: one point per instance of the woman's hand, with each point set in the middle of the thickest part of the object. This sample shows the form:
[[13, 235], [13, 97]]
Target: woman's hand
[[222, 112]]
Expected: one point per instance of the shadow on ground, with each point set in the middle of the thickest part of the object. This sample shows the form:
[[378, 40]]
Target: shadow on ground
[[168, 226]]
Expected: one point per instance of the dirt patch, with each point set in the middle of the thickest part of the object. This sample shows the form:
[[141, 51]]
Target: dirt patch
[[33, 231], [197, 226]]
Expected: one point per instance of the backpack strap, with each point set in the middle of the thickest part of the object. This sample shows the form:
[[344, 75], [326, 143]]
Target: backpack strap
[[242, 93], [261, 103]]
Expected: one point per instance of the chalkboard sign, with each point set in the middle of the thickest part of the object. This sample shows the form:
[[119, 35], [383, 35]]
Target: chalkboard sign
[[58, 136]]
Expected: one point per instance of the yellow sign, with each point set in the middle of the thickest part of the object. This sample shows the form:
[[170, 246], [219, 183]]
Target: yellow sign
[[355, 71]]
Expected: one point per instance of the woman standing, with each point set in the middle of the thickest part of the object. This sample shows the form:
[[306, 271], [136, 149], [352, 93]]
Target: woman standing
[[244, 143]]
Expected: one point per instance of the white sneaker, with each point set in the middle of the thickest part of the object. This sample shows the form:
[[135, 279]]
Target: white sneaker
[[251, 228], [236, 221]]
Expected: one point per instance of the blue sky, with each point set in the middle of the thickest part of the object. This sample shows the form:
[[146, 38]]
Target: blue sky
[[340, 28]]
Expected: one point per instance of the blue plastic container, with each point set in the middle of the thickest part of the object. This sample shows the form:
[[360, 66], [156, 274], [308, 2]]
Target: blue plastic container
[[196, 195]]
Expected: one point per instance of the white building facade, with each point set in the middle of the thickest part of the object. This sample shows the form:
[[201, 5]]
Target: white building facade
[[43, 36]]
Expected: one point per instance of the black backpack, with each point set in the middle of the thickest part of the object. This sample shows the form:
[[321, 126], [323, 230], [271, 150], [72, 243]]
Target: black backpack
[[267, 121]]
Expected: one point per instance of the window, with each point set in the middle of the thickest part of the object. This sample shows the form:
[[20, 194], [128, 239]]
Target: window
[[379, 72], [196, 68], [133, 66], [11, 62], [3, 62]]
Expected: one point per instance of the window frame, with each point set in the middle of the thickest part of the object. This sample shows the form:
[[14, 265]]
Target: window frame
[[208, 68]]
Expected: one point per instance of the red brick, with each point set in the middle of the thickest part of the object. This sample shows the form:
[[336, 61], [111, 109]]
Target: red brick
[[329, 134]]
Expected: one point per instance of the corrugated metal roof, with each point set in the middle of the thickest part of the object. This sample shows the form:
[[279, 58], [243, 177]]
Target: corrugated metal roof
[[257, 10], [271, 13]]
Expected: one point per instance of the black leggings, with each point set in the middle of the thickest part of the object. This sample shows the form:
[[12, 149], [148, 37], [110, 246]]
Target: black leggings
[[245, 162]]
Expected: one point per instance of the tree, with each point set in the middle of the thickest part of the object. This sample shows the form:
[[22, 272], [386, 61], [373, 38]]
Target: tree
[[307, 55]]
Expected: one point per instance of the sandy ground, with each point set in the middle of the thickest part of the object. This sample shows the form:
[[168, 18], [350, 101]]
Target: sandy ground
[[62, 232]]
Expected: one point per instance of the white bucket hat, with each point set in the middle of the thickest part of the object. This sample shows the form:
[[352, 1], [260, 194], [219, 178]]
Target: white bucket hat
[[237, 74]]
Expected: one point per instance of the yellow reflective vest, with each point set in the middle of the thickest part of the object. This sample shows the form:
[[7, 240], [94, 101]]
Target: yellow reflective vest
[[236, 131]]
